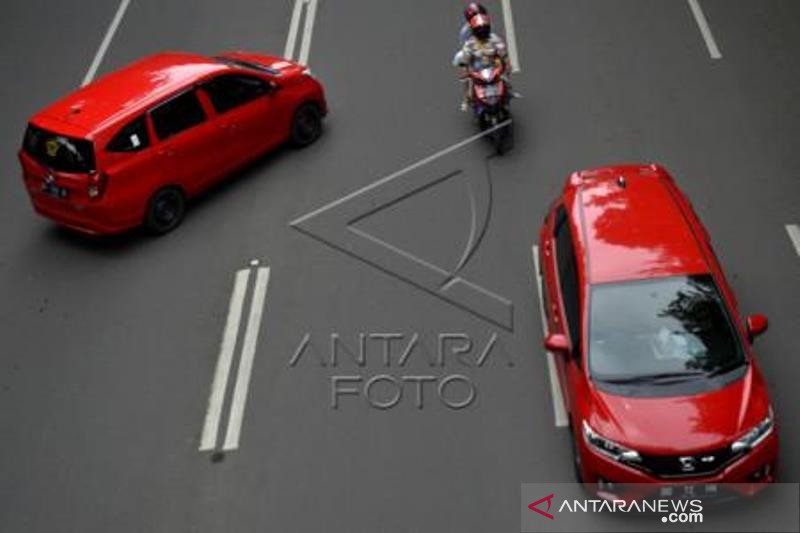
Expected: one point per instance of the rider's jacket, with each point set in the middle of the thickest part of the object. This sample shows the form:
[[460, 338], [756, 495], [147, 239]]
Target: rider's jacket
[[476, 52]]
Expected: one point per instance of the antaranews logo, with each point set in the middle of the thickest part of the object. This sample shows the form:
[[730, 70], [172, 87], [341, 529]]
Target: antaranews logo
[[550, 507], [672, 510], [534, 506]]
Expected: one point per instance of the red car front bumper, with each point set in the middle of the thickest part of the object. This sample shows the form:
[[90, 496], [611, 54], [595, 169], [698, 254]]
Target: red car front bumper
[[746, 475]]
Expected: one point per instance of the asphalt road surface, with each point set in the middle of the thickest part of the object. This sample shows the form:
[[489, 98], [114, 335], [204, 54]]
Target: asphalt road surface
[[109, 348]]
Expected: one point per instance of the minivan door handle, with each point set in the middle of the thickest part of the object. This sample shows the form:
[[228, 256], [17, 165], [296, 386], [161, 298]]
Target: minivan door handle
[[166, 152]]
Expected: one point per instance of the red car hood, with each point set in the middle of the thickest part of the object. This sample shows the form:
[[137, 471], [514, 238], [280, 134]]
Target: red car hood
[[682, 424]]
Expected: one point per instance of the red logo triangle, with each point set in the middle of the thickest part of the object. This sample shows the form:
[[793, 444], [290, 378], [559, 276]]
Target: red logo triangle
[[549, 500]]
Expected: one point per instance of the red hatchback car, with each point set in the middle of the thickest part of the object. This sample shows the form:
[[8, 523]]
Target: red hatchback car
[[657, 367], [132, 147]]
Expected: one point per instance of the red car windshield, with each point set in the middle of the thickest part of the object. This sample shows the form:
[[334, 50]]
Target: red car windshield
[[59, 152], [664, 329]]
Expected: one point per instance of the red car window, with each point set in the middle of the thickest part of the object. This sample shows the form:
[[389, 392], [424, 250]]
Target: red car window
[[232, 90], [177, 114], [131, 138], [568, 279]]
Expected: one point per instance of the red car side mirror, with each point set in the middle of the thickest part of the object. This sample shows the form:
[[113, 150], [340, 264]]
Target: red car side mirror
[[557, 343], [756, 325]]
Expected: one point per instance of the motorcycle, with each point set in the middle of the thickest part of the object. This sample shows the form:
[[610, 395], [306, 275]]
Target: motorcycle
[[490, 100]]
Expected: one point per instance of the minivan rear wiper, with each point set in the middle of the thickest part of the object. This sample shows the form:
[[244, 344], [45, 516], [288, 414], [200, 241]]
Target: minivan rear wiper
[[663, 377]]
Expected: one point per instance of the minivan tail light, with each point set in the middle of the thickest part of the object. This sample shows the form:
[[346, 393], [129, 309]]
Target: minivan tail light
[[97, 184]]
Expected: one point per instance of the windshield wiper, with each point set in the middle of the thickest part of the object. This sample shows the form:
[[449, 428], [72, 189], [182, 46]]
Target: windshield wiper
[[725, 369], [663, 377]]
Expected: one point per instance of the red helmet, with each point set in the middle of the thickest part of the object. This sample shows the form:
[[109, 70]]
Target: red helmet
[[481, 26], [472, 9]]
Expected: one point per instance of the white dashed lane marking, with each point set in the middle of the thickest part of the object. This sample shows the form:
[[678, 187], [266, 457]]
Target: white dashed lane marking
[[511, 36], [705, 29], [794, 235], [559, 411], [101, 52]]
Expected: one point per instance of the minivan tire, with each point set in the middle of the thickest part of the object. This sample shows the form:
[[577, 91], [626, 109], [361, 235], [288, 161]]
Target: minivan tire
[[306, 125], [165, 210]]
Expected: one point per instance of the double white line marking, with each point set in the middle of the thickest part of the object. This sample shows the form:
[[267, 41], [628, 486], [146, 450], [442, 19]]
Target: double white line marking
[[216, 399], [308, 30]]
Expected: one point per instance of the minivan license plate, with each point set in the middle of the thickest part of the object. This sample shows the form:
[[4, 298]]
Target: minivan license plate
[[53, 190]]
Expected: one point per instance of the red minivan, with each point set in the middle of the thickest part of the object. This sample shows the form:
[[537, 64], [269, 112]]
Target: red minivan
[[656, 364], [130, 148]]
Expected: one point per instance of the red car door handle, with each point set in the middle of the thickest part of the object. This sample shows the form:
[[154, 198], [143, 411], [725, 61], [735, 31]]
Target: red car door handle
[[166, 152], [228, 126]]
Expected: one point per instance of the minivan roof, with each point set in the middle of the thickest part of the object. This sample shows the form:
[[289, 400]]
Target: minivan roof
[[127, 91], [633, 225]]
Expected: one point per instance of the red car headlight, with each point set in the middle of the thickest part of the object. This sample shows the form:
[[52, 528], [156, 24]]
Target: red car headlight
[[755, 436], [608, 447]]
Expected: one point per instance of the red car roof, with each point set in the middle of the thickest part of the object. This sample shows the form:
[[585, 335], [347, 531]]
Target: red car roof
[[633, 225], [127, 91]]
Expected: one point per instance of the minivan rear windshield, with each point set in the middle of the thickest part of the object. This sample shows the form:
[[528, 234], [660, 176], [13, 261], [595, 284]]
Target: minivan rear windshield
[[59, 152]]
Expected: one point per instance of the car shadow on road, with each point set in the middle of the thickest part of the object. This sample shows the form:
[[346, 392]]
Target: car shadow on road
[[118, 243]]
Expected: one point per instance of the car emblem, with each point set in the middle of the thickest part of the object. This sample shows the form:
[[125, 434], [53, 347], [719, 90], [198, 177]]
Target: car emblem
[[687, 463], [707, 459], [51, 147]]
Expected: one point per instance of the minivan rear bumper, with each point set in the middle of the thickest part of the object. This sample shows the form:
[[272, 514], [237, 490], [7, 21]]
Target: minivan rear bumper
[[98, 216], [90, 218]]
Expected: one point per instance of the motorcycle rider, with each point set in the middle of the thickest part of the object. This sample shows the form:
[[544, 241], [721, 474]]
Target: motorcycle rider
[[482, 48], [472, 9]]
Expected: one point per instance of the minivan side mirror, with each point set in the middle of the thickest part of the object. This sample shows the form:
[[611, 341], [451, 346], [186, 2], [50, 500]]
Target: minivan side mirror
[[756, 325], [557, 343]]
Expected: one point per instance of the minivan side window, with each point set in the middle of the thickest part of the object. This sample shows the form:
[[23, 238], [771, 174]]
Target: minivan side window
[[568, 278], [131, 138], [177, 114], [232, 90]]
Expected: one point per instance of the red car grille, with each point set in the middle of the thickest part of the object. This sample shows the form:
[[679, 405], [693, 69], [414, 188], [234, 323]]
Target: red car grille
[[702, 464]]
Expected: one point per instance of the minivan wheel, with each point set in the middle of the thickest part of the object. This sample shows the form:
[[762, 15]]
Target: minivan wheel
[[306, 125], [165, 211]]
